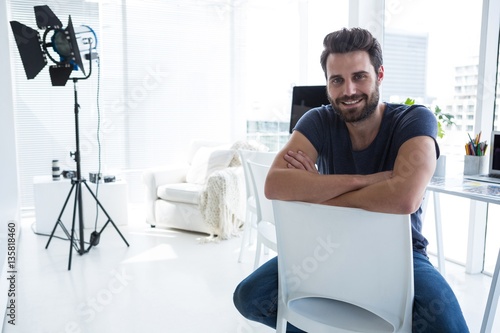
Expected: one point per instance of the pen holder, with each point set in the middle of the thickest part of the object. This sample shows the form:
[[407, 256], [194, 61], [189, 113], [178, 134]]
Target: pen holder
[[474, 165], [440, 170]]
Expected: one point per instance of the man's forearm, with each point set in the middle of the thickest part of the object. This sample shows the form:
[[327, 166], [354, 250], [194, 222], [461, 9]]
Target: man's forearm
[[403, 192], [300, 185], [394, 195]]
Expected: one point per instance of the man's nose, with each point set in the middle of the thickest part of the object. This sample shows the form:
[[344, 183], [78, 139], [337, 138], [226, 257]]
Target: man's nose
[[349, 88]]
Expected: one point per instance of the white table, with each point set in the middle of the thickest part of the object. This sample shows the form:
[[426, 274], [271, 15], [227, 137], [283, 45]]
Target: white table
[[50, 196], [480, 193]]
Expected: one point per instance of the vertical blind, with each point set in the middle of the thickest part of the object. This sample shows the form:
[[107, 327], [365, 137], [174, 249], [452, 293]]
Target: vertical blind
[[169, 72], [163, 79], [44, 115]]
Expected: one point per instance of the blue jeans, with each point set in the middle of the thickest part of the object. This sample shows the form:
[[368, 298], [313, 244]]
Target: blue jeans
[[435, 307]]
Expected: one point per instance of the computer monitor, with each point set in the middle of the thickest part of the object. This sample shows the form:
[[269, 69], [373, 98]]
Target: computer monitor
[[495, 153], [305, 98]]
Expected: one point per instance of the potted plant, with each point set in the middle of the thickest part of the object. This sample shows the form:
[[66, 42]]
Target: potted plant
[[443, 120]]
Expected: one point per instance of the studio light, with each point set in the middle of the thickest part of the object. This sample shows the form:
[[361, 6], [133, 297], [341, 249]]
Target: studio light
[[64, 47], [66, 43]]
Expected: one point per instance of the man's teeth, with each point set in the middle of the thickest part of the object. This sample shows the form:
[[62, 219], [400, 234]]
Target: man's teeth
[[351, 102]]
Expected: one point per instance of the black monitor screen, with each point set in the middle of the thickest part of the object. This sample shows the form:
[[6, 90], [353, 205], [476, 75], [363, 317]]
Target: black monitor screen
[[305, 98]]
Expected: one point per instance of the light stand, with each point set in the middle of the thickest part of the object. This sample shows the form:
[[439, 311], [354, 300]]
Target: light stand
[[78, 204], [34, 53]]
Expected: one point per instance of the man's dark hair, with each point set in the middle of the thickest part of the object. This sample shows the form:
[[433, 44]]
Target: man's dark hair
[[349, 40]]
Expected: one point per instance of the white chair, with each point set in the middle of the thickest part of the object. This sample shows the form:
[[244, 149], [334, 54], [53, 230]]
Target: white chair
[[266, 231], [265, 158], [174, 192], [343, 269]]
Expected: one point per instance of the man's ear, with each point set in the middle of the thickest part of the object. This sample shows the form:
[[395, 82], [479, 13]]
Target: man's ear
[[380, 74]]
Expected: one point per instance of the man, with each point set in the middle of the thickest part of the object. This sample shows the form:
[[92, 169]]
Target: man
[[370, 155]]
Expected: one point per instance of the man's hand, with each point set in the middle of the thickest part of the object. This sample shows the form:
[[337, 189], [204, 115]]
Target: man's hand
[[299, 160]]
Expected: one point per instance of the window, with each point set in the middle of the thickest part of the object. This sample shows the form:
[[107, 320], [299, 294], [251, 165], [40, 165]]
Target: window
[[170, 72], [44, 115], [496, 123], [493, 227], [165, 79], [442, 71], [452, 63], [279, 56]]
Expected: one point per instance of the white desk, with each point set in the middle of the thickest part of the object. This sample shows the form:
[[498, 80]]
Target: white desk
[[50, 196], [480, 194], [471, 189]]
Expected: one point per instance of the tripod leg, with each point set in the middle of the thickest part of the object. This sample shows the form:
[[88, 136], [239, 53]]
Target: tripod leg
[[75, 207], [80, 217], [117, 230], [107, 215], [58, 222]]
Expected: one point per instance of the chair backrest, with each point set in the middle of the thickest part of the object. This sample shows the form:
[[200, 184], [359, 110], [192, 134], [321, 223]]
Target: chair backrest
[[264, 206], [265, 158], [359, 259]]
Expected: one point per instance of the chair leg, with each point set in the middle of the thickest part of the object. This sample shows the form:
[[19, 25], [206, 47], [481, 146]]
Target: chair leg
[[250, 232], [257, 253], [251, 225], [244, 239]]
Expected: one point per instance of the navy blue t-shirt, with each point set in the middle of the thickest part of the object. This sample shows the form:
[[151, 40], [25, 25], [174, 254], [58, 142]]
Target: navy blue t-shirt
[[329, 135]]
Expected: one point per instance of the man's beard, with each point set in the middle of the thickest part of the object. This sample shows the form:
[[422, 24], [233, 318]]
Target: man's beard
[[355, 115]]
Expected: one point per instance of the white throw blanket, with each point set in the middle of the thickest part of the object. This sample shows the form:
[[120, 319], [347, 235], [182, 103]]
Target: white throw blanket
[[221, 204]]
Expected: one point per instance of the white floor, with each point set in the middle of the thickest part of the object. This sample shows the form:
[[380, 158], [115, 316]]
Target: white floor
[[166, 281]]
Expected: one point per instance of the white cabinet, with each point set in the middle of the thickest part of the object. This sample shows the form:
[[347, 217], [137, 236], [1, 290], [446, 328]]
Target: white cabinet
[[50, 196]]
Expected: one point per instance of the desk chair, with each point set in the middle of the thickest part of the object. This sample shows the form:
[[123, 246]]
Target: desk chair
[[265, 158], [343, 269], [266, 231]]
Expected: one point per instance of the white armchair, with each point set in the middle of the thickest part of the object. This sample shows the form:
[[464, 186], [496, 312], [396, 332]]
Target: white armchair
[[205, 194]]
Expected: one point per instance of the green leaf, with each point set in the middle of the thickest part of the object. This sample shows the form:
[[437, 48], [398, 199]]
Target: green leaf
[[409, 101], [440, 132]]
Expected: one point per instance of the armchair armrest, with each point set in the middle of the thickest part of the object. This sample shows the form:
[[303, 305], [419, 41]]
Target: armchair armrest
[[155, 177]]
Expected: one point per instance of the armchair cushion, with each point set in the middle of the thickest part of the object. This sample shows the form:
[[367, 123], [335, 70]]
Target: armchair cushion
[[180, 192], [206, 161]]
